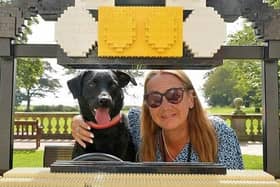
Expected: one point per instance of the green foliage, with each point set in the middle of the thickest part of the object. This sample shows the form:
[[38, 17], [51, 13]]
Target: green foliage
[[236, 78], [5, 2], [248, 72], [26, 30], [245, 37], [274, 3], [219, 89], [29, 70], [32, 80]]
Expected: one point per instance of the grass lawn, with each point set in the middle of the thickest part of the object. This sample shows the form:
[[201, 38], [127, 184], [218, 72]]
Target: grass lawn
[[252, 162], [35, 159], [26, 158]]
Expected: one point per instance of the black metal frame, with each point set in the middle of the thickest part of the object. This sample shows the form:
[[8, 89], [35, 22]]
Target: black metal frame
[[266, 23]]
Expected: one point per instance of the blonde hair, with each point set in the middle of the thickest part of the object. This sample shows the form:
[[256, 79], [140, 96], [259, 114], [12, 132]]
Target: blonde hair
[[202, 132]]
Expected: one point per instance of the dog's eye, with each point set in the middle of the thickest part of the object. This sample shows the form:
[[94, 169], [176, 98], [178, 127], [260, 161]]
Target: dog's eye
[[92, 83], [113, 84]]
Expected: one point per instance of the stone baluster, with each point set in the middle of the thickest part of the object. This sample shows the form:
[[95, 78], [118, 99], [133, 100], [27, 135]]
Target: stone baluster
[[57, 126], [65, 126], [49, 125]]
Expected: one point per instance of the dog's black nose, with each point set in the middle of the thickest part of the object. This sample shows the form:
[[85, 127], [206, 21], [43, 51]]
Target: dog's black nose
[[104, 101]]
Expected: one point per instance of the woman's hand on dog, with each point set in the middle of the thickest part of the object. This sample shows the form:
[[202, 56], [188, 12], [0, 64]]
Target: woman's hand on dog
[[81, 131]]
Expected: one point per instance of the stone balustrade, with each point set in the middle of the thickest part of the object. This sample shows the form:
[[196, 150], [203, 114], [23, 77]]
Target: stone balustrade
[[247, 127], [56, 125]]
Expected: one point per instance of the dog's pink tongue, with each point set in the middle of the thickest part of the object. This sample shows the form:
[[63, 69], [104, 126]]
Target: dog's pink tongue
[[102, 115]]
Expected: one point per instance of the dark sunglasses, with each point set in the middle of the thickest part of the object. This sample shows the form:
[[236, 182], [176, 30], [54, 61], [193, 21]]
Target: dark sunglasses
[[172, 95]]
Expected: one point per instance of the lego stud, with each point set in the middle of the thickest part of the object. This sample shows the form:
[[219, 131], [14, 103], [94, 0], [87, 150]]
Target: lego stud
[[155, 38]]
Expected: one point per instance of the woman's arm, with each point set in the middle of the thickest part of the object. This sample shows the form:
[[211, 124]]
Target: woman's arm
[[134, 125], [229, 152]]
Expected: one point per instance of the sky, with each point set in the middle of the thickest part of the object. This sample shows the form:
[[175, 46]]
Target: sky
[[44, 33]]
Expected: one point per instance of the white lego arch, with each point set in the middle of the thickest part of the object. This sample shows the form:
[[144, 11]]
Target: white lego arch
[[204, 31]]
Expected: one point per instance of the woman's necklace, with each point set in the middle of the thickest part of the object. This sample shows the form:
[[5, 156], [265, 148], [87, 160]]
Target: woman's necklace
[[169, 154], [165, 146]]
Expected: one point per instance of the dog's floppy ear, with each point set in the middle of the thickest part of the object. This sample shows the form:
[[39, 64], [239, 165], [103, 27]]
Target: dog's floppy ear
[[124, 78], [75, 85]]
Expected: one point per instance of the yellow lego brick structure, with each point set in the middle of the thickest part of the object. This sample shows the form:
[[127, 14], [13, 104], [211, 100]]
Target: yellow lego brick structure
[[140, 31]]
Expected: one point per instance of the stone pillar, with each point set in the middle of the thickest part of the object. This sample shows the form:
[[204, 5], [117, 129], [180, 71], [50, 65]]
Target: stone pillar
[[7, 87], [239, 120]]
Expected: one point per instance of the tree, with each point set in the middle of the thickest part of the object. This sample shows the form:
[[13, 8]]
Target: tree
[[249, 71], [5, 2], [32, 78], [220, 88], [243, 76], [274, 3], [33, 81]]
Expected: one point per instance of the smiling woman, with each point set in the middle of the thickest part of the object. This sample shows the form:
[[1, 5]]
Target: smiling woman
[[174, 125]]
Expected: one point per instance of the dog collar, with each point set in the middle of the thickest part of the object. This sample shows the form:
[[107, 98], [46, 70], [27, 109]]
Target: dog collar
[[113, 122]]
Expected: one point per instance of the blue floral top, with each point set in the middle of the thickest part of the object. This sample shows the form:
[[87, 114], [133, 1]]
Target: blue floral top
[[229, 153]]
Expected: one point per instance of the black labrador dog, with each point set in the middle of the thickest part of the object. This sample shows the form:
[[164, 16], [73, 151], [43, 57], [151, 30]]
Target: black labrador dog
[[100, 98]]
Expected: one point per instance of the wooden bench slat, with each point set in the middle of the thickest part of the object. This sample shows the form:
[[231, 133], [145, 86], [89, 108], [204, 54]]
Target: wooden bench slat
[[27, 129], [53, 153]]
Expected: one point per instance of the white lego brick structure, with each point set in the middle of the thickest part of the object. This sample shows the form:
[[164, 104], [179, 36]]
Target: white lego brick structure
[[186, 4], [95, 4], [204, 31], [76, 31]]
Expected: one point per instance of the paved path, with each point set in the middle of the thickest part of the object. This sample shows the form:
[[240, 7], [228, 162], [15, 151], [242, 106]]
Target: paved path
[[250, 148], [30, 144]]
